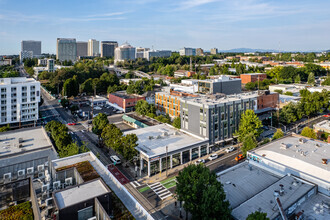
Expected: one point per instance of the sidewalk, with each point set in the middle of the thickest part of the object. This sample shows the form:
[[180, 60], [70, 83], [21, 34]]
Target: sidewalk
[[174, 171]]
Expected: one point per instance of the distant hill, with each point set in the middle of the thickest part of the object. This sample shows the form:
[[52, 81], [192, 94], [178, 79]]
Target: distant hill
[[248, 50]]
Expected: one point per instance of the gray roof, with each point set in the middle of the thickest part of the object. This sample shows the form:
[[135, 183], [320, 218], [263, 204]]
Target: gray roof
[[242, 182], [264, 201]]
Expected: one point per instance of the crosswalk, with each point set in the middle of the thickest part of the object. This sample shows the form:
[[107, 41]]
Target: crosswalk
[[160, 190], [135, 184]]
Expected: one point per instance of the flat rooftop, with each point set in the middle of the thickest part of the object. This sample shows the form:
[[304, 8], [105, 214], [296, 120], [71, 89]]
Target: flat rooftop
[[294, 189], [317, 207], [234, 182], [124, 95], [209, 101], [306, 157], [323, 125], [152, 141], [23, 140], [80, 193]]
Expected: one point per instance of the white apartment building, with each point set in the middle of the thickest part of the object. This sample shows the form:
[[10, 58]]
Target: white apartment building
[[125, 52], [93, 48], [25, 55], [187, 51], [19, 98]]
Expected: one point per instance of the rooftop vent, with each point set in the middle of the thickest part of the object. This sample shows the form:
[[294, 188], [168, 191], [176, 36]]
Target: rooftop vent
[[20, 140], [284, 146], [325, 161], [318, 145], [302, 140], [151, 137], [159, 137]]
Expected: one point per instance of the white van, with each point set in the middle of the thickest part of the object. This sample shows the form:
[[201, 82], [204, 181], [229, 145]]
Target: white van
[[115, 159]]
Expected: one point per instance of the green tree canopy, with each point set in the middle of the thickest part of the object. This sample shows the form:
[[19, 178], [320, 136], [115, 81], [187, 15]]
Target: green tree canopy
[[249, 123], [311, 79], [177, 123], [308, 132], [202, 194], [71, 87], [257, 216], [99, 123], [143, 108], [249, 143], [278, 134]]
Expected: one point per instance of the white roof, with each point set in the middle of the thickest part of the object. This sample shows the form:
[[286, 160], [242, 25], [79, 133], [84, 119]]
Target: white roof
[[325, 124], [31, 139], [305, 157], [80, 193], [152, 141]]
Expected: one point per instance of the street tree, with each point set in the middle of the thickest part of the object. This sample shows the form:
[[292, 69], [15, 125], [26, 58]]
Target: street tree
[[129, 142], [143, 108], [278, 134], [71, 87], [257, 216], [202, 193], [297, 79], [249, 143], [249, 123], [308, 132], [99, 123], [311, 79], [177, 123], [111, 136]]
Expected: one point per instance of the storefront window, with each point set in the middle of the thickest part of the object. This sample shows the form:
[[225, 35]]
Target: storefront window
[[194, 154], [176, 160], [164, 163], [154, 167], [203, 150], [186, 156]]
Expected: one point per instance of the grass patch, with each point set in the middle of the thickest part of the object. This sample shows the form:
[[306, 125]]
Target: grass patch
[[143, 189], [20, 211], [170, 184], [168, 180]]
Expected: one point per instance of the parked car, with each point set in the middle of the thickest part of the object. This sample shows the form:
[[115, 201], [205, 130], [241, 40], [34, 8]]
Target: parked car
[[115, 159], [327, 115], [98, 108], [230, 149], [200, 161], [71, 123], [239, 157], [213, 156]]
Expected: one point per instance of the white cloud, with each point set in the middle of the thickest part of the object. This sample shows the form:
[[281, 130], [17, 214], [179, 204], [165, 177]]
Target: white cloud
[[194, 3]]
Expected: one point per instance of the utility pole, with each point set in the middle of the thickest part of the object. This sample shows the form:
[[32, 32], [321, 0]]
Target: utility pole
[[166, 159], [190, 64]]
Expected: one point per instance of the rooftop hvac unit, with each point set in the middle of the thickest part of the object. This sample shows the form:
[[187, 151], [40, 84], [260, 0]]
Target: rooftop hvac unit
[[302, 140], [92, 218], [7, 176], [56, 185], [49, 202], [41, 175], [151, 137], [284, 146], [41, 168], [30, 171], [21, 173], [45, 188], [44, 196], [318, 145], [68, 181]]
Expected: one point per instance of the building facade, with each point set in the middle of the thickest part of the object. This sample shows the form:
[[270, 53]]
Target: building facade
[[31, 45], [156, 53], [268, 99], [19, 100], [124, 52], [108, 48], [199, 52], [223, 84], [123, 101], [82, 50], [216, 118], [25, 55], [214, 51], [93, 48], [187, 51], [253, 77], [66, 49]]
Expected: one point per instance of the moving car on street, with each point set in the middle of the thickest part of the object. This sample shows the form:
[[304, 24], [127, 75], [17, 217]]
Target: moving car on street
[[239, 157], [213, 156], [200, 161], [230, 149]]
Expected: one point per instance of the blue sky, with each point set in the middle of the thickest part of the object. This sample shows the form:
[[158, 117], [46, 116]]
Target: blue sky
[[169, 24]]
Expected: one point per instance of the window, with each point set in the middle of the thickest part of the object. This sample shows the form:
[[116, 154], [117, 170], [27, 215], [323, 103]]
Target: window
[[3, 96], [3, 89], [13, 89], [201, 110], [24, 88], [24, 100], [32, 88], [3, 108], [3, 102], [24, 94]]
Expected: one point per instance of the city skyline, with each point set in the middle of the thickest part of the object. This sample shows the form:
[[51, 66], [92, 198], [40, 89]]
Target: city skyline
[[259, 24]]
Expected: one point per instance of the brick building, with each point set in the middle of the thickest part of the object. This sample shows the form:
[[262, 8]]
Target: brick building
[[253, 77], [125, 102], [267, 99]]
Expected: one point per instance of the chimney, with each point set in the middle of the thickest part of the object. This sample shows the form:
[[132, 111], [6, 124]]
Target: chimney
[[281, 189]]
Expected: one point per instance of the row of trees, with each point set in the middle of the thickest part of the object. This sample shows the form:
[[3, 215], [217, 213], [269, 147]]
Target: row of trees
[[309, 105], [113, 138], [289, 74], [142, 107], [62, 140]]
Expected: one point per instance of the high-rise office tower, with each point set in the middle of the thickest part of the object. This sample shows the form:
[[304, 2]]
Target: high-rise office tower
[[82, 50], [93, 48], [66, 49], [125, 52], [31, 45], [108, 48], [187, 51]]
